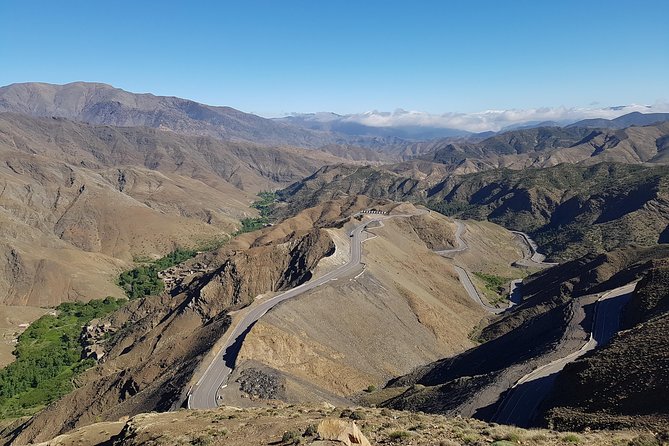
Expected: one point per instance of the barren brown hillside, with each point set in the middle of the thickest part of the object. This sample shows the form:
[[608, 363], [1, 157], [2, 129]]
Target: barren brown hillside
[[406, 309], [231, 426], [79, 202]]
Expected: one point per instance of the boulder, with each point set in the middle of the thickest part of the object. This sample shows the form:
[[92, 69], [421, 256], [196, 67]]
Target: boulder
[[343, 431]]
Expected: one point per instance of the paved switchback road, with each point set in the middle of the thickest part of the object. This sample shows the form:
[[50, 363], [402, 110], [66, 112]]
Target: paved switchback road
[[520, 404], [204, 393], [534, 259]]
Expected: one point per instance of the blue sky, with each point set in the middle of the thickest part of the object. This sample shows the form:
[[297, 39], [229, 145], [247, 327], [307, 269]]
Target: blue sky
[[277, 57]]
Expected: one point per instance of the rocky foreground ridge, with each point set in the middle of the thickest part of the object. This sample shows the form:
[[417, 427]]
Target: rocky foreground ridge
[[326, 425]]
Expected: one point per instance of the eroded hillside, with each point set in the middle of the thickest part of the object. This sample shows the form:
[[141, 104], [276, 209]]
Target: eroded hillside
[[81, 202]]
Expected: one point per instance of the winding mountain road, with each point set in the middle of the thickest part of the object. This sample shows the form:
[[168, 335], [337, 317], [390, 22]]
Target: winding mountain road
[[520, 404], [204, 395], [535, 259], [462, 246]]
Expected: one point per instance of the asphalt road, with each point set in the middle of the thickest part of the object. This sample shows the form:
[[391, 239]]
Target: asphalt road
[[204, 394], [466, 281], [520, 404], [535, 259]]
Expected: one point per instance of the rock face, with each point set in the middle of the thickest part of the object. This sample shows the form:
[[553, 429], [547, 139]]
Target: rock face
[[260, 384], [346, 432], [260, 269]]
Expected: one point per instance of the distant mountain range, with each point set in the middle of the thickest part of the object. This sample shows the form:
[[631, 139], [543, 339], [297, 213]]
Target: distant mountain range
[[396, 133], [630, 119], [349, 125], [96, 103]]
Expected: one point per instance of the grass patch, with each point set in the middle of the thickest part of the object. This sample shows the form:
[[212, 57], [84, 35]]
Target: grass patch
[[495, 286], [48, 357], [571, 438], [399, 435]]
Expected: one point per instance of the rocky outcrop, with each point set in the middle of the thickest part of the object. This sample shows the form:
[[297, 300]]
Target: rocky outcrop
[[245, 275], [345, 432]]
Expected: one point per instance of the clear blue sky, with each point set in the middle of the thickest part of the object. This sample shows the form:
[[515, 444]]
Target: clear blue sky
[[274, 57]]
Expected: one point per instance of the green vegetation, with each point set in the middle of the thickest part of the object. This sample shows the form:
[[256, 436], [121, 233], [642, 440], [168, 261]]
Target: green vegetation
[[291, 437], [265, 206], [310, 431], [399, 435], [450, 208], [144, 281], [493, 282], [48, 357], [495, 286], [571, 438], [252, 224]]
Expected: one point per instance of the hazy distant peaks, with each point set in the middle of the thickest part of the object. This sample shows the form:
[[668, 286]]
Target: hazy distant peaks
[[488, 120]]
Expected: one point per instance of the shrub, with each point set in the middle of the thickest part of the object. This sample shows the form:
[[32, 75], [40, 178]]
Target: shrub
[[644, 440], [291, 437], [399, 435], [310, 431], [571, 438], [357, 415]]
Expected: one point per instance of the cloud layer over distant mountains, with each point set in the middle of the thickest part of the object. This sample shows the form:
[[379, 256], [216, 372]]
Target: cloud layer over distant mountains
[[489, 120]]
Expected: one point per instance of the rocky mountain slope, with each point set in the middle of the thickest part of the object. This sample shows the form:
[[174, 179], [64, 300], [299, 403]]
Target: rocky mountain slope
[[549, 146], [550, 322], [393, 316], [542, 325], [103, 104], [634, 118], [570, 210]]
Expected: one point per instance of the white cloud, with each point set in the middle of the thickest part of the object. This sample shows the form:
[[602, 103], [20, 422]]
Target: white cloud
[[495, 120]]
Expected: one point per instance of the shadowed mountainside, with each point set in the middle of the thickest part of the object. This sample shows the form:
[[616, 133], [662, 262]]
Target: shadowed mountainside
[[626, 383], [513, 341], [570, 210]]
